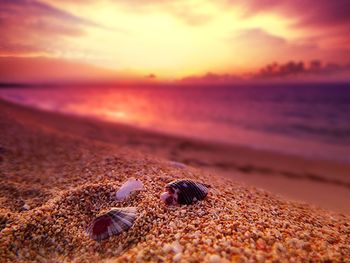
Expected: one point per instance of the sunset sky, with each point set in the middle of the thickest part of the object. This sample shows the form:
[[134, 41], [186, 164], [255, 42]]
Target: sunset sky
[[171, 39]]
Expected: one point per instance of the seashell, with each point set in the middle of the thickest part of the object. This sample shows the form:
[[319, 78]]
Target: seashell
[[184, 192], [26, 207], [114, 222], [127, 188], [176, 164]]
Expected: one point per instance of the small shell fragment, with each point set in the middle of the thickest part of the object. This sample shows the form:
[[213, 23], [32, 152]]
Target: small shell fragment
[[184, 192], [25, 207], [177, 164], [130, 186], [114, 222]]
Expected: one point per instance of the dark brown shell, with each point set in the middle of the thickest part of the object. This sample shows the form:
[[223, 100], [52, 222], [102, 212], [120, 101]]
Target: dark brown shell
[[114, 222], [186, 191]]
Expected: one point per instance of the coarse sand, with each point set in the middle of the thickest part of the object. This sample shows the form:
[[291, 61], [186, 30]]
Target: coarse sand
[[53, 184]]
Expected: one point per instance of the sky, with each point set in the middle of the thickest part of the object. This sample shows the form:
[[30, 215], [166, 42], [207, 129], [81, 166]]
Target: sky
[[170, 39]]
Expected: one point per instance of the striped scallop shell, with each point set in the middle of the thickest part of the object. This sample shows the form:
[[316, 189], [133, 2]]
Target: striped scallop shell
[[186, 192], [114, 222]]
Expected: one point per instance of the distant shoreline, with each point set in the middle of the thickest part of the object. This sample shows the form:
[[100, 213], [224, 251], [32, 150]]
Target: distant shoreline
[[223, 144], [14, 85], [177, 83], [277, 122]]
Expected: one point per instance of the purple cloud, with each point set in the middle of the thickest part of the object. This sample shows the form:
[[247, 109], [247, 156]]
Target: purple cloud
[[286, 71], [293, 69], [33, 26], [308, 12]]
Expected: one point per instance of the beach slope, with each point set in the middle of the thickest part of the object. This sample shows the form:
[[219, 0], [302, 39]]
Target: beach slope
[[54, 182]]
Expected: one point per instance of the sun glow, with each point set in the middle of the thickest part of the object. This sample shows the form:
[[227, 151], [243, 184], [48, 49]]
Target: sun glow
[[116, 115], [152, 39], [169, 39]]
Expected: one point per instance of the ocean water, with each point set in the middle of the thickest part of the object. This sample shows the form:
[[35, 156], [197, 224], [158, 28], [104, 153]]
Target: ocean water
[[312, 120]]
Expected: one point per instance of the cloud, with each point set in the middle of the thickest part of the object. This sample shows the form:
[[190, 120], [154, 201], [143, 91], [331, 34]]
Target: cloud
[[31, 26], [257, 36], [151, 76], [328, 22], [186, 11], [176, 36], [34, 8], [308, 13], [291, 70], [256, 46], [187, 14], [42, 69], [212, 77], [295, 69]]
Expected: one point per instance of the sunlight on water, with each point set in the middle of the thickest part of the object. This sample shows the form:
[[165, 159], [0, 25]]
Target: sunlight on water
[[305, 120]]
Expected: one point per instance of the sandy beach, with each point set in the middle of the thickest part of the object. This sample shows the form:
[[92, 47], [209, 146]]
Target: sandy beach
[[58, 172]]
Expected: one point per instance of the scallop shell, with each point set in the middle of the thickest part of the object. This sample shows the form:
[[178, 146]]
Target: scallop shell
[[184, 192], [127, 188], [114, 222]]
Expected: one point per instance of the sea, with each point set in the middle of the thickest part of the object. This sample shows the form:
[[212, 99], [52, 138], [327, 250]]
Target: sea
[[311, 120]]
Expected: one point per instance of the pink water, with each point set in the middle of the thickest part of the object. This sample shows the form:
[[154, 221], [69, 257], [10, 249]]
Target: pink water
[[308, 120]]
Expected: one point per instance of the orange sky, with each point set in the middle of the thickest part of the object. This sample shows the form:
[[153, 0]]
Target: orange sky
[[171, 39]]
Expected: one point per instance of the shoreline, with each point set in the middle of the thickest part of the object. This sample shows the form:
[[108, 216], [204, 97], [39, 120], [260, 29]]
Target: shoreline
[[209, 141], [272, 171], [59, 172]]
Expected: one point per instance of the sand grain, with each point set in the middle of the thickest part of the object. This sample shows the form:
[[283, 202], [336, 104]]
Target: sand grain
[[65, 181]]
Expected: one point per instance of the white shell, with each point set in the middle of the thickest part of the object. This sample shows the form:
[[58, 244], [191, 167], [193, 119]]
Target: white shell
[[127, 188], [177, 164]]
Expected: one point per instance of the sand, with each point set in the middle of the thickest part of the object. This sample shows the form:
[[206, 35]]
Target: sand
[[58, 173], [323, 183]]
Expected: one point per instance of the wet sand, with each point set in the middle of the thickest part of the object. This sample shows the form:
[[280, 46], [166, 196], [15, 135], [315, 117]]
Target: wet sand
[[58, 172]]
